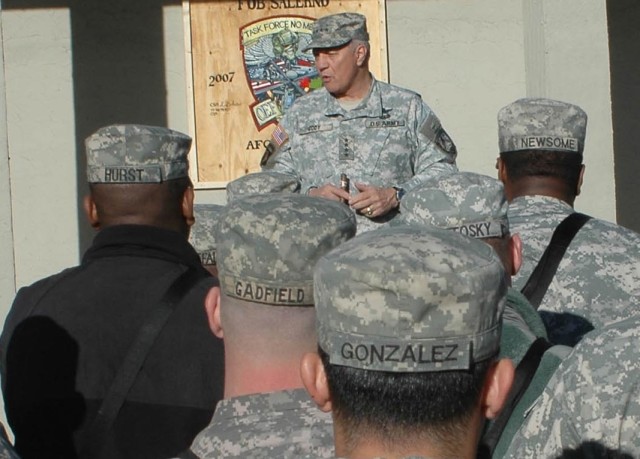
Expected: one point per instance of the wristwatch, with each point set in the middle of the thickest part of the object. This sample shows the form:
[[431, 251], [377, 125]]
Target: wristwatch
[[399, 193]]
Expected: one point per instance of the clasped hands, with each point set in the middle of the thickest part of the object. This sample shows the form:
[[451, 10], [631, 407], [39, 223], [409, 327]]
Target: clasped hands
[[371, 201]]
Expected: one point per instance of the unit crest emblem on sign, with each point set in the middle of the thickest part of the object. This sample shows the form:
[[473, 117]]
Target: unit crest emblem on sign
[[277, 70]]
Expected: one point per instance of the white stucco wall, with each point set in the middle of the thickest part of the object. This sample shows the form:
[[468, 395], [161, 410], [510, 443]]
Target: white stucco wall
[[577, 70], [466, 59], [469, 58], [7, 272], [40, 118]]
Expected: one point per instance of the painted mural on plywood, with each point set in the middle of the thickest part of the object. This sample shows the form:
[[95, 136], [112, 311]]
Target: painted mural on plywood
[[247, 67]]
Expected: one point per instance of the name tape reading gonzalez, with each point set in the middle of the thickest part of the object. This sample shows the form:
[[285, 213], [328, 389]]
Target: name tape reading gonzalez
[[261, 292], [387, 354]]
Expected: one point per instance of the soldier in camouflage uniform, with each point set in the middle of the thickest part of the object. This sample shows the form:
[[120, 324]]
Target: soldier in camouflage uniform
[[384, 138], [471, 204], [66, 336], [267, 247], [591, 406], [598, 280], [261, 182], [202, 235], [409, 322], [475, 205]]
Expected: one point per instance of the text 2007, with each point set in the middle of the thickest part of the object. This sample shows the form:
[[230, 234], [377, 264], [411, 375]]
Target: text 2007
[[221, 78]]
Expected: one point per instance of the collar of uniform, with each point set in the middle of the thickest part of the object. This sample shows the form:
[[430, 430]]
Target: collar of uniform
[[144, 241], [536, 205], [370, 107], [263, 403]]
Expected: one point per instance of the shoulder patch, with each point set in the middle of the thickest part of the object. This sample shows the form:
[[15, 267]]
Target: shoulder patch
[[444, 141], [433, 130]]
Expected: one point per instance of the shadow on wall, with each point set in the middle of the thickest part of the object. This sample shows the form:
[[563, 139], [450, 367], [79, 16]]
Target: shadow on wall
[[118, 70], [624, 47]]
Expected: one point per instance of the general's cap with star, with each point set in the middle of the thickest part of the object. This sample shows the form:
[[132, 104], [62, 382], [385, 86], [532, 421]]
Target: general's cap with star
[[202, 234], [261, 182], [267, 245], [336, 30], [133, 153], [471, 204], [541, 124], [410, 299]]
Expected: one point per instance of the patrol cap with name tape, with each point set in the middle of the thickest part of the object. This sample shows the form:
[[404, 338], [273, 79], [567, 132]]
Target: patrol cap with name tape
[[261, 182], [541, 124], [267, 245], [202, 235], [410, 299], [133, 153], [336, 30], [471, 204]]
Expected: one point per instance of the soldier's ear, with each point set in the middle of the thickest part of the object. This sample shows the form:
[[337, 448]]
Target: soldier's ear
[[361, 55], [212, 307], [502, 170], [496, 387], [580, 179], [314, 380], [91, 211], [187, 206]]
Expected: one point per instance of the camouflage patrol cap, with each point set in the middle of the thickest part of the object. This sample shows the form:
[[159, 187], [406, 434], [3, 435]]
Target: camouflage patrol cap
[[337, 30], [471, 204], [261, 182], [202, 235], [410, 299], [541, 124], [268, 245], [132, 153]]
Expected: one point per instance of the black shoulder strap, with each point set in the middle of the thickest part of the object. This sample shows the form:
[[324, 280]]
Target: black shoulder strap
[[541, 277], [133, 361], [523, 376]]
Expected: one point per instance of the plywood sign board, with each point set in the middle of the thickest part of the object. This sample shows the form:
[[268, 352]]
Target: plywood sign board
[[246, 66]]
